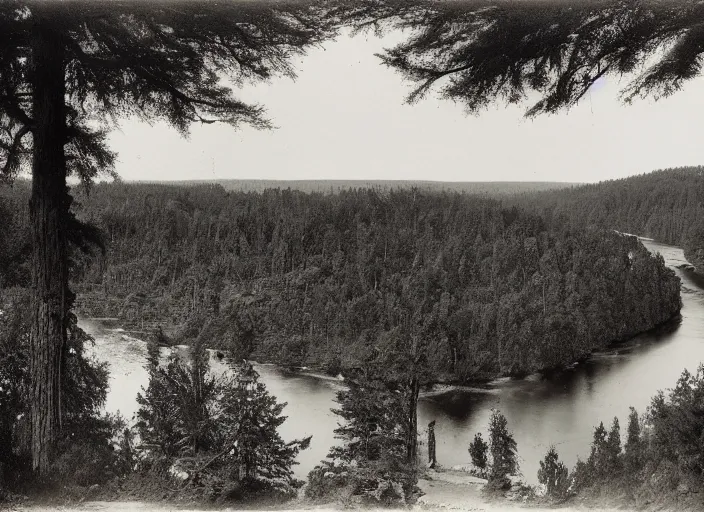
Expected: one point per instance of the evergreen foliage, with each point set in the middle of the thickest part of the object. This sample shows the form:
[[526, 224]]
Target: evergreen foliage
[[478, 451], [517, 50], [371, 460], [554, 475], [222, 432], [502, 446], [597, 461], [663, 205], [249, 420], [676, 426], [613, 449], [322, 280], [662, 458], [635, 445], [69, 70], [177, 409], [88, 450]]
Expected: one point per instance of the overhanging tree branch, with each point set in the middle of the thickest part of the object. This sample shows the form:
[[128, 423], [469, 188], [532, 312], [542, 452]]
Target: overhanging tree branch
[[13, 153]]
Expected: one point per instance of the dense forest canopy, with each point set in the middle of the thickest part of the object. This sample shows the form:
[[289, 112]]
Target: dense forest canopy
[[321, 280], [666, 205]]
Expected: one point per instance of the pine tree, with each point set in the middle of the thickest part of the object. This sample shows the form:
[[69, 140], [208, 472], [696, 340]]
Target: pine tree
[[254, 451], [515, 50], [372, 451], [478, 451], [502, 446], [178, 409], [401, 362], [373, 426], [597, 461], [553, 474], [613, 449], [634, 443], [87, 432], [155, 416]]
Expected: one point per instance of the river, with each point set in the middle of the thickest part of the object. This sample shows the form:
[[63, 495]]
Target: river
[[561, 408]]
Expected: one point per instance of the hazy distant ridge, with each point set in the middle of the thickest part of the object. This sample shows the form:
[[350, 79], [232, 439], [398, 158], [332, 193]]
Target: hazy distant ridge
[[326, 186]]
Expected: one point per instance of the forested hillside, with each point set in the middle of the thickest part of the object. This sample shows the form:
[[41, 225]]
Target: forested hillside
[[666, 205], [313, 279]]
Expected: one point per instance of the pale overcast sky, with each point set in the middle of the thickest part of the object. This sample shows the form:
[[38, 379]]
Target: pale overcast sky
[[345, 118]]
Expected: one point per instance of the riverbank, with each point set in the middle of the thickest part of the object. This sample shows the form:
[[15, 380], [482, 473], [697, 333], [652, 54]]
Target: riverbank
[[483, 384]]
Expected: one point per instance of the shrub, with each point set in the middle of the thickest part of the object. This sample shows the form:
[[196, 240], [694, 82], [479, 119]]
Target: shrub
[[84, 462]]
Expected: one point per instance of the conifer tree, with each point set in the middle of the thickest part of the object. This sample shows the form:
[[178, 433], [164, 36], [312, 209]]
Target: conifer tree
[[613, 449], [634, 443], [372, 434], [253, 449], [553, 474], [510, 51], [178, 409], [502, 446], [597, 461], [478, 451], [402, 354], [373, 425], [67, 71]]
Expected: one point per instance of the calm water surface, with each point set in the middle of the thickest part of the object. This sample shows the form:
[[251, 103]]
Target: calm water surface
[[560, 409]]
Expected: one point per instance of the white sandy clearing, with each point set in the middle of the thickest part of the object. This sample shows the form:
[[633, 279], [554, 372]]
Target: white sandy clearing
[[455, 490], [445, 491]]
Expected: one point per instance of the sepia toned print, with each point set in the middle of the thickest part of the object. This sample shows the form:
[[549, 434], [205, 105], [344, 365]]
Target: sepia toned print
[[333, 254]]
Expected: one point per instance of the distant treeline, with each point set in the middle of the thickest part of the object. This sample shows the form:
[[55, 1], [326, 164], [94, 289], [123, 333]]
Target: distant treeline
[[666, 205], [491, 188]]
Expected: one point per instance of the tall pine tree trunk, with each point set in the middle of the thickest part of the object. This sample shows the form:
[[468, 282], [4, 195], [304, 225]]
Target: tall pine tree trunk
[[49, 204]]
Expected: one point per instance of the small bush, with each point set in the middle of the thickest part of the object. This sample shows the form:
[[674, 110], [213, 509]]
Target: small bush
[[329, 482], [371, 482]]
